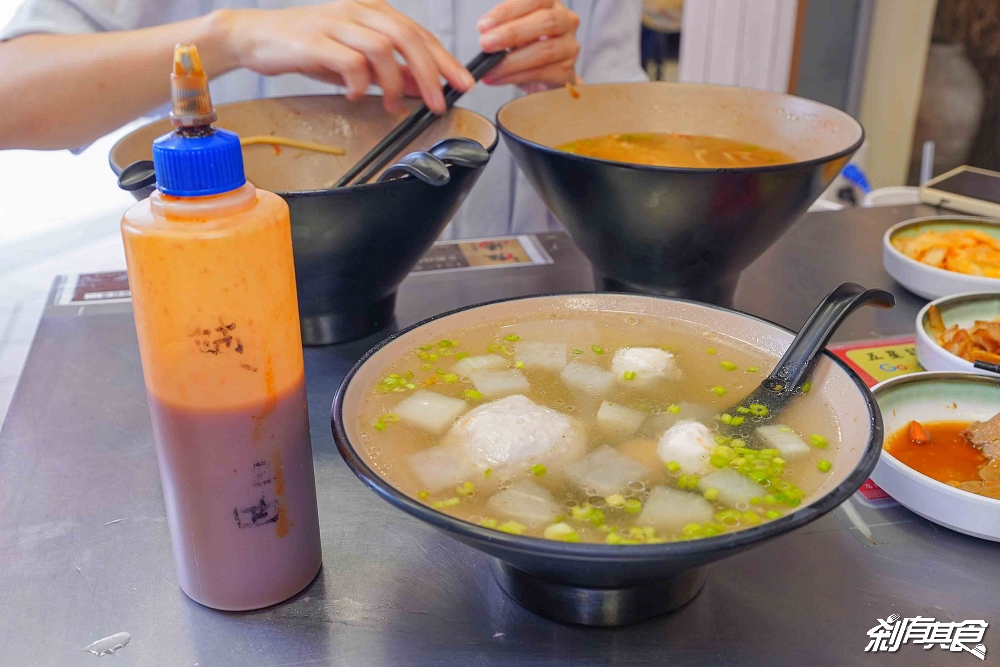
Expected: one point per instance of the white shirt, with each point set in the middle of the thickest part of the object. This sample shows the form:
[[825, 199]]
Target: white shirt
[[502, 201]]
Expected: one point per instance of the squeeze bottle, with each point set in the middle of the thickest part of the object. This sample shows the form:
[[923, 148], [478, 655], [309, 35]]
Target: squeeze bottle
[[213, 292]]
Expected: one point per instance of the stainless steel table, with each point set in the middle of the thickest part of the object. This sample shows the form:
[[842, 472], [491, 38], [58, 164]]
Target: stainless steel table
[[84, 549]]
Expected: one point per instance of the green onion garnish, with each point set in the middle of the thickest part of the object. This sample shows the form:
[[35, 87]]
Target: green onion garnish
[[513, 338], [538, 469], [719, 390], [674, 409], [824, 466], [597, 349], [628, 375], [728, 365], [473, 395]]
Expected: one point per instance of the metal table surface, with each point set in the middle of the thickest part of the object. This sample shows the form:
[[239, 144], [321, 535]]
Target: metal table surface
[[85, 551]]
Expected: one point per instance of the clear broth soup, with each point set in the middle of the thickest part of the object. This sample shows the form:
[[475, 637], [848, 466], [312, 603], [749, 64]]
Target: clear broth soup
[[599, 427]]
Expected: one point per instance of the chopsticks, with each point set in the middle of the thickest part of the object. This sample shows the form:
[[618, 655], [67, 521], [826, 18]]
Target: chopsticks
[[414, 124]]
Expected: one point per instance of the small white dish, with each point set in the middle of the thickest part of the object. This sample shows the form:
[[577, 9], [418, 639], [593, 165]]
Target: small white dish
[[930, 397], [928, 281], [963, 310]]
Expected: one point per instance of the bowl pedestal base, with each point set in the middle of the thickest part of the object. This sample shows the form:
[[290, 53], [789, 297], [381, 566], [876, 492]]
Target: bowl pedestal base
[[603, 607], [719, 293], [340, 327]]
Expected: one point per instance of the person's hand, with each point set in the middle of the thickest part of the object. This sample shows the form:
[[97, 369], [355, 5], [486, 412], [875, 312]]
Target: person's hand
[[543, 36], [350, 43]]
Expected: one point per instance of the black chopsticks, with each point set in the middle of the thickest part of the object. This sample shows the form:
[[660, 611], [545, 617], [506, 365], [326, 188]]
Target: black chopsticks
[[414, 124], [986, 366]]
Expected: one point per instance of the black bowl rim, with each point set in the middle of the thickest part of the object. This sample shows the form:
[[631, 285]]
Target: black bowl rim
[[292, 194], [511, 135], [607, 552]]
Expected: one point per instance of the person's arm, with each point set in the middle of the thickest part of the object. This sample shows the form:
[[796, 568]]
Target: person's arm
[[62, 91]]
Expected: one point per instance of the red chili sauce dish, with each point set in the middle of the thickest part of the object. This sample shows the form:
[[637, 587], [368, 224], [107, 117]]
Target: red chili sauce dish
[[962, 454]]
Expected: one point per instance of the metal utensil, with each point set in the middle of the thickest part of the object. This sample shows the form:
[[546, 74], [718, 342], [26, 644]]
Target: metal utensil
[[419, 164], [785, 382], [460, 152]]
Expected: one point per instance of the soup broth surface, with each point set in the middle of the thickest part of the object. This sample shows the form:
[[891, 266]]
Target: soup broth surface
[[594, 427], [673, 149]]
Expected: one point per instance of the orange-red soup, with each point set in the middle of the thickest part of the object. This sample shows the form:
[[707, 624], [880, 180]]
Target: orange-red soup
[[946, 457]]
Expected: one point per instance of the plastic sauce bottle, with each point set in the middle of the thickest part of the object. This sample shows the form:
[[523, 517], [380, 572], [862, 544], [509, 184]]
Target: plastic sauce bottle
[[213, 291]]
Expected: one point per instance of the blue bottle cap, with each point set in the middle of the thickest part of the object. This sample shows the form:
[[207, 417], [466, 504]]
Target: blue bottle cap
[[197, 166]]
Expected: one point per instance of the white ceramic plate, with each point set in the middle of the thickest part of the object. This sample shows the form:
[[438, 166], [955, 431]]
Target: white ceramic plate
[[928, 281], [963, 310], [929, 397]]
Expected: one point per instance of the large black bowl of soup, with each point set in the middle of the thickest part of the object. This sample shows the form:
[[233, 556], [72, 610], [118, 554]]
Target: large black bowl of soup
[[674, 188], [578, 440]]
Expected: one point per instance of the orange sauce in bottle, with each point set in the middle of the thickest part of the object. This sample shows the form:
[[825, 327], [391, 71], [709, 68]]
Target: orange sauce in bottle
[[947, 457]]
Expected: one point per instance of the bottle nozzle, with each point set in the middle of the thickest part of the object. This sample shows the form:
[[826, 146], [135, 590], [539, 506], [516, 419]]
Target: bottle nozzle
[[189, 95]]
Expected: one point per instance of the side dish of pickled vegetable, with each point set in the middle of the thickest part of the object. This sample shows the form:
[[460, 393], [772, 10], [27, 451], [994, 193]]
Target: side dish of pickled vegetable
[[601, 427]]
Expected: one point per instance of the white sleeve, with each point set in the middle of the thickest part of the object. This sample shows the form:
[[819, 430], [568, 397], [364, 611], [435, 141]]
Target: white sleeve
[[609, 37], [48, 16]]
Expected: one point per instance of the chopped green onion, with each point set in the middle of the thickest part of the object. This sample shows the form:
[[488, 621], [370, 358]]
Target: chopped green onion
[[562, 532], [597, 349], [674, 409], [785, 429], [750, 519], [806, 387], [616, 500], [753, 369], [473, 395], [488, 522], [770, 500], [512, 527], [423, 495], [379, 426], [408, 375], [577, 351], [450, 502], [425, 347], [519, 364], [736, 421], [772, 514], [756, 500], [582, 512], [461, 355], [710, 350], [628, 375], [721, 439], [742, 410], [450, 378], [444, 343], [719, 390], [538, 470], [425, 367], [487, 472], [632, 505], [819, 441], [726, 418], [687, 482], [493, 347], [383, 390], [513, 338], [389, 418], [466, 489], [596, 518], [711, 494], [673, 466], [613, 538], [759, 409], [824, 466], [728, 365]]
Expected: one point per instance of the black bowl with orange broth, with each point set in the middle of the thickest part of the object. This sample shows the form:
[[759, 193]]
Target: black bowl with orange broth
[[676, 231], [607, 584]]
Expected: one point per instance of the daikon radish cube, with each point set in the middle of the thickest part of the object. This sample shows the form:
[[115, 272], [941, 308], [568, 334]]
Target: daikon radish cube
[[690, 444], [733, 487], [584, 377], [790, 445], [605, 471], [526, 502], [672, 509], [441, 467], [617, 420], [650, 366], [542, 356], [500, 383], [484, 362], [430, 411], [514, 430]]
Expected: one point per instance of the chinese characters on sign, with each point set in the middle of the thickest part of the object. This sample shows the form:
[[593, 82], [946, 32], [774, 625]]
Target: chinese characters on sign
[[894, 631]]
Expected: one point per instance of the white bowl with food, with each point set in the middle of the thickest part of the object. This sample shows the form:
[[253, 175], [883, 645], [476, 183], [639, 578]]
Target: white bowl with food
[[940, 256], [955, 331], [941, 457]]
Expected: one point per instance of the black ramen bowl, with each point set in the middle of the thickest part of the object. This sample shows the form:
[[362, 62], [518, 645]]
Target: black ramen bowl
[[599, 584], [353, 246], [676, 231]]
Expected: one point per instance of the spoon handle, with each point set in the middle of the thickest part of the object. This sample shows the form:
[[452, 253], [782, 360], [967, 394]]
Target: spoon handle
[[816, 332]]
